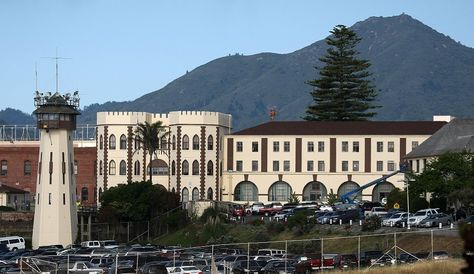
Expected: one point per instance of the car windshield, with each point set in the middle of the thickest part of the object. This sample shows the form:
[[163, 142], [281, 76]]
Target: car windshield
[[396, 216], [420, 213]]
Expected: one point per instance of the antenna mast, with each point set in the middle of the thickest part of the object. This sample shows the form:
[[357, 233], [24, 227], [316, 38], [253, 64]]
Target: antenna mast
[[57, 67]]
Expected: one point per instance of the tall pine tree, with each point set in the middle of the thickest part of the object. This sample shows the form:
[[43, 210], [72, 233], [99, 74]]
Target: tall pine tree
[[342, 92]]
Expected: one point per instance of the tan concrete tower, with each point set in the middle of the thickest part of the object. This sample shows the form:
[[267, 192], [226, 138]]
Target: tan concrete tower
[[55, 219]]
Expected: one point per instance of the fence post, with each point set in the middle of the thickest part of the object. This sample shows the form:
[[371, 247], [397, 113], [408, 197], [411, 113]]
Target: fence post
[[212, 259], [432, 247], [116, 263], [286, 255], [128, 232], [322, 254], [67, 271], [395, 244], [248, 255], [358, 256], [148, 233]]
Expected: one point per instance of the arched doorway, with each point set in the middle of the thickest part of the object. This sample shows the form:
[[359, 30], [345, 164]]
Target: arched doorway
[[347, 187], [381, 191], [279, 192], [246, 191], [314, 191]]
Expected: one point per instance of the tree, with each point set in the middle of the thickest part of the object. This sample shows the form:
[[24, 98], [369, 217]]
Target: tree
[[149, 136], [445, 176], [342, 92]]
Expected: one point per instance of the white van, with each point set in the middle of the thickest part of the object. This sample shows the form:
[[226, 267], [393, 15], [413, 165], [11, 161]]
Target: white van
[[91, 244], [13, 242], [271, 252]]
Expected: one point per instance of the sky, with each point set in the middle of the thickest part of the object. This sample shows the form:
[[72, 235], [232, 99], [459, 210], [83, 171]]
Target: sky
[[122, 50]]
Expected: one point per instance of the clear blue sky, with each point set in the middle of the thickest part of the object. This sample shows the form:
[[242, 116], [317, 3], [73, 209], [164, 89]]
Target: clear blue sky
[[121, 50]]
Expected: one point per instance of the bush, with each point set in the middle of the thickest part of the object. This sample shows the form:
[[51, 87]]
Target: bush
[[372, 223], [208, 212], [275, 227], [299, 223], [6, 208], [256, 222]]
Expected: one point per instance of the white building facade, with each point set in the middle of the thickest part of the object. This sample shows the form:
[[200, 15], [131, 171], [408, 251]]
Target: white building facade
[[188, 162], [272, 161]]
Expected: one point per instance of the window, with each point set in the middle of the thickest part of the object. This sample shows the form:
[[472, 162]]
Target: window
[[64, 198], [196, 142], [391, 166], [321, 166], [417, 166], [254, 165], [240, 147], [136, 168], [84, 194], [279, 191], [276, 146], [379, 146], [320, 146], [185, 142], [4, 168], [27, 167], [164, 143], [185, 167], [286, 146], [195, 194], [185, 195], [355, 166], [276, 165], [238, 166], [210, 168], [123, 168], [391, 147], [286, 165], [174, 142], [209, 194], [310, 165], [112, 142], [195, 167], [101, 142], [210, 143], [136, 144], [246, 191], [414, 144], [123, 141], [355, 146], [112, 167], [75, 167], [49, 198], [254, 146], [101, 167], [310, 146], [345, 146], [173, 168], [345, 166], [379, 165]]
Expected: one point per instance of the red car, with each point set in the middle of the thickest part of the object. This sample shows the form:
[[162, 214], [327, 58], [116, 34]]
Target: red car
[[270, 209], [313, 263], [238, 210]]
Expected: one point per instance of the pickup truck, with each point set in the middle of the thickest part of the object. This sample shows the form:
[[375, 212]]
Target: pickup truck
[[270, 209], [254, 208], [378, 211], [313, 263], [80, 267]]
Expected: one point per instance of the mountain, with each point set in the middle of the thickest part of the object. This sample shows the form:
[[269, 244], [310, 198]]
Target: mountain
[[10, 116], [419, 72]]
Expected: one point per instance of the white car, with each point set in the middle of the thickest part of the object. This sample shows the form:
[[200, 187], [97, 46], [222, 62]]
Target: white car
[[420, 215], [394, 218], [185, 269], [280, 216]]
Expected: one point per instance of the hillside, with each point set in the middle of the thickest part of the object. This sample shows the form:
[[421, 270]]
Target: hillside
[[410, 63]]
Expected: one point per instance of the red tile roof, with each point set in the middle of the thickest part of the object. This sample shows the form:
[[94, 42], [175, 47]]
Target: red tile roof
[[344, 128]]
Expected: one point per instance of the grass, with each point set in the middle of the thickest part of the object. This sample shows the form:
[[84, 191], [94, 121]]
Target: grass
[[440, 267]]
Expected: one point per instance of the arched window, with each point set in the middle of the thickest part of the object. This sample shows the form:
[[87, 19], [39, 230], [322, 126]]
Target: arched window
[[347, 187], [381, 191], [195, 194], [210, 168], [246, 191], [185, 167], [210, 143], [196, 142], [101, 167], [314, 191], [195, 167], [209, 193], [27, 167], [174, 142], [84, 194], [123, 141], [112, 142], [112, 167], [4, 167], [185, 142], [164, 143], [136, 168], [123, 168], [137, 144], [279, 191], [101, 142], [173, 168], [185, 195], [100, 193]]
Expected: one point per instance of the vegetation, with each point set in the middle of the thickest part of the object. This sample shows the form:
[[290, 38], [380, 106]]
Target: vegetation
[[400, 197], [6, 209], [445, 267], [449, 178], [342, 91], [149, 135], [372, 223]]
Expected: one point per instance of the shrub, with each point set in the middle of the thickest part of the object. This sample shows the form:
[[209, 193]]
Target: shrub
[[275, 227], [6, 208], [208, 212], [372, 223], [256, 222]]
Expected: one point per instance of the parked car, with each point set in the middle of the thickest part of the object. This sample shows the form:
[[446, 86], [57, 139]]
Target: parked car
[[270, 209], [109, 244], [254, 208], [185, 270], [279, 267], [470, 219], [378, 211], [440, 255], [346, 261], [315, 262], [247, 266], [436, 219], [368, 258], [325, 218], [284, 213], [420, 215], [394, 218], [345, 216], [207, 270], [367, 206]]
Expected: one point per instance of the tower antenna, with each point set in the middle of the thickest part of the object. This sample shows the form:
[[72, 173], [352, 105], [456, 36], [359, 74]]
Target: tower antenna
[[36, 76], [57, 67]]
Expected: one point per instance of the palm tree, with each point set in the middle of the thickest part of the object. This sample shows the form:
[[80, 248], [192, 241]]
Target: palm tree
[[149, 136]]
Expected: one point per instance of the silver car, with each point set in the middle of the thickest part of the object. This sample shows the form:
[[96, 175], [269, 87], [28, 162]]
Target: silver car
[[436, 219]]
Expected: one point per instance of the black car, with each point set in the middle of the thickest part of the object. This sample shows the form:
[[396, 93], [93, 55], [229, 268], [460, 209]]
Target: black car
[[345, 216], [346, 261], [275, 267], [247, 266]]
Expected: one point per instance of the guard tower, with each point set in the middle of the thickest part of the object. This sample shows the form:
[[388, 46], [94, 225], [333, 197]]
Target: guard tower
[[55, 219]]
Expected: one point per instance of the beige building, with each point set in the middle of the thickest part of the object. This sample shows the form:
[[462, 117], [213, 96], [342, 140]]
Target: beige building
[[269, 162], [190, 157]]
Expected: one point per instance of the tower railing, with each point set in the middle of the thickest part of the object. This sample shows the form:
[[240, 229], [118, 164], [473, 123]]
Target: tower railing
[[16, 133]]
